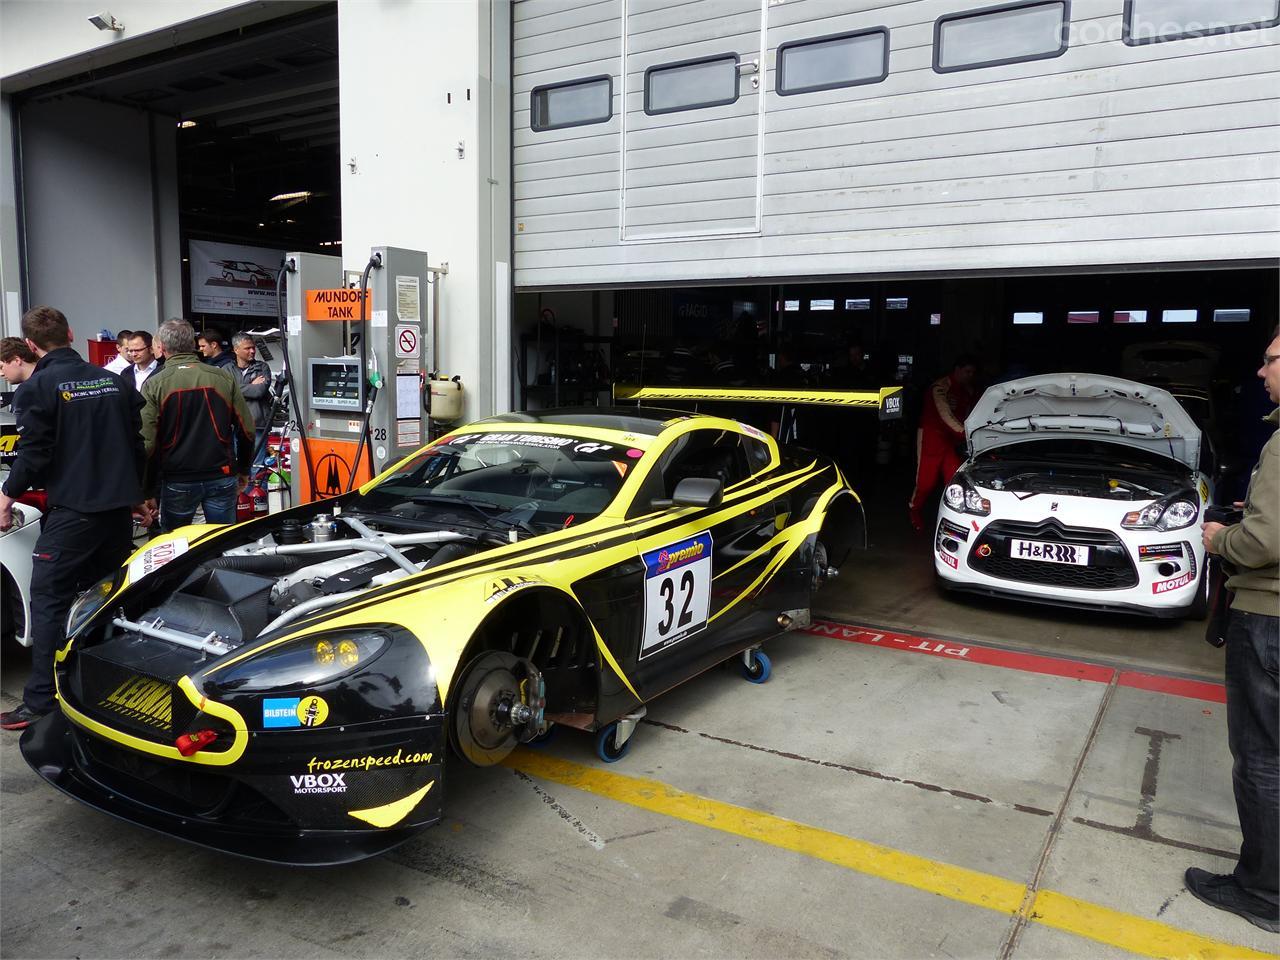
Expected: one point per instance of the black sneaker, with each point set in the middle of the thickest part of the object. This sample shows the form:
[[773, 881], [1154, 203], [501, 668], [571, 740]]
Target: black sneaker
[[1222, 891], [19, 718]]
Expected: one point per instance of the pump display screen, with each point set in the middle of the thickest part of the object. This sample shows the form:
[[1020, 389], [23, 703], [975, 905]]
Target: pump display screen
[[336, 385]]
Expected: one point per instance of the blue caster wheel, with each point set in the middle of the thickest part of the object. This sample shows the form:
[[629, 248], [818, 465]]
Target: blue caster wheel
[[760, 669], [607, 748]]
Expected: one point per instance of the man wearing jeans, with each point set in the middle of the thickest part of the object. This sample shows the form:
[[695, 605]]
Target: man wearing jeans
[[1252, 546], [198, 433]]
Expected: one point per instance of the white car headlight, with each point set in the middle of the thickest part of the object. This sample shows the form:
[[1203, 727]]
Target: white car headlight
[[954, 495], [1173, 512]]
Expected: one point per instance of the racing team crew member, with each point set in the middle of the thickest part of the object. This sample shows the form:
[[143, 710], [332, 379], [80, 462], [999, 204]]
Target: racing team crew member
[[1252, 546], [198, 432], [254, 377], [75, 420], [941, 432], [17, 362]]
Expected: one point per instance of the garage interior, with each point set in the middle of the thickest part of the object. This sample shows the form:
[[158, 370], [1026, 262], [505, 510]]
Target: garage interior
[[256, 119], [893, 796]]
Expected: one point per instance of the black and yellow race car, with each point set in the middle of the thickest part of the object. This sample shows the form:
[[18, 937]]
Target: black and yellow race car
[[288, 688]]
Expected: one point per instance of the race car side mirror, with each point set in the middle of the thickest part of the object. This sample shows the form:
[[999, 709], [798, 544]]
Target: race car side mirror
[[694, 492]]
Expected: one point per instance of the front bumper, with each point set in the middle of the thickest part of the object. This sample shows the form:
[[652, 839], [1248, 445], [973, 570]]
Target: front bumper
[[219, 810], [975, 556]]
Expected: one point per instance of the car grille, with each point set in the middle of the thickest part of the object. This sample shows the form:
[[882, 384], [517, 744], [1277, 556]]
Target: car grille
[[1110, 567], [178, 788]]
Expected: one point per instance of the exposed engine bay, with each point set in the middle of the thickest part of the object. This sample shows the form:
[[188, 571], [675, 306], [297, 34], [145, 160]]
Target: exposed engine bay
[[298, 570], [1069, 468]]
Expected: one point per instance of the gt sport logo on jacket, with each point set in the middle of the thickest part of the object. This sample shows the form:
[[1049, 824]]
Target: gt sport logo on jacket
[[73, 390]]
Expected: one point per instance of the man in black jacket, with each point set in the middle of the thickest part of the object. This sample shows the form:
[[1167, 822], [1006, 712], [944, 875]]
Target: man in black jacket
[[255, 383], [79, 437]]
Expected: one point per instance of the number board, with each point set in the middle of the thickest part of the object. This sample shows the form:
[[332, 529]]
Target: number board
[[677, 592]]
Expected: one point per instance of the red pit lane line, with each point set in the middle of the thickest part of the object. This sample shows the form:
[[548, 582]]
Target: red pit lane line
[[1012, 660]]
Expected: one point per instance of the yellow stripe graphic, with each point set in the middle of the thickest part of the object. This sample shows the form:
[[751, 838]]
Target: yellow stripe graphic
[[838, 398], [1078, 917]]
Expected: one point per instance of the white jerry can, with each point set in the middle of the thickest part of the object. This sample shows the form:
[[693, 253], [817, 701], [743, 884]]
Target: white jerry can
[[446, 399]]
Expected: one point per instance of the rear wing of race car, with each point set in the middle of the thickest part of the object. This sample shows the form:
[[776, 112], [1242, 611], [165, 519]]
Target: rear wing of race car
[[886, 400]]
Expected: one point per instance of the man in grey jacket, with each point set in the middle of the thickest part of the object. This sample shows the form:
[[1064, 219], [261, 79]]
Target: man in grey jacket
[[255, 383], [1252, 546]]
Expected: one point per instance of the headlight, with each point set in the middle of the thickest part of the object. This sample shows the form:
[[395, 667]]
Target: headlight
[[89, 603], [303, 663], [1172, 513], [962, 497]]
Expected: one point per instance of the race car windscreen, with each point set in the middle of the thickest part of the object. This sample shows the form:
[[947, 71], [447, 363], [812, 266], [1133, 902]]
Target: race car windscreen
[[542, 480]]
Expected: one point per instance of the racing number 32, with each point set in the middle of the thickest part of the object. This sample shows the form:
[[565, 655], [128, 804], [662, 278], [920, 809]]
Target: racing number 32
[[677, 592]]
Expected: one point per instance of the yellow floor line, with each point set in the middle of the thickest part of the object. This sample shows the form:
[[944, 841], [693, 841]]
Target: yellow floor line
[[1078, 917]]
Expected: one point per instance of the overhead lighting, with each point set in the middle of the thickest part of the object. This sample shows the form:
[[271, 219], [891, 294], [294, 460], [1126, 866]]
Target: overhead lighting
[[330, 243], [186, 124], [295, 195], [105, 21]]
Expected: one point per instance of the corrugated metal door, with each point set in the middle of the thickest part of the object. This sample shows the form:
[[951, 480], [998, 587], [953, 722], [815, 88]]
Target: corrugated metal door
[[692, 172]]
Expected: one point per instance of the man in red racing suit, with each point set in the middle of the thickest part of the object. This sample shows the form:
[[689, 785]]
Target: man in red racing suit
[[941, 434]]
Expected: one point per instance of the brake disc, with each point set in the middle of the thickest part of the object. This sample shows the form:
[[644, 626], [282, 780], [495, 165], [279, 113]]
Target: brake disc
[[498, 706]]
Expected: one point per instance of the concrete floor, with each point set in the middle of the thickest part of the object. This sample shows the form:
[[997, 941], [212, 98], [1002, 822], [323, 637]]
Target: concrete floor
[[921, 783]]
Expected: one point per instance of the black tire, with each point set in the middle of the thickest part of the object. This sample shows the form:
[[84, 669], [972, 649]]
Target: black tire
[[1199, 609], [607, 748]]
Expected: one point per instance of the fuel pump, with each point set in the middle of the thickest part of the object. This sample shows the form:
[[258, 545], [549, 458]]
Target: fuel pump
[[358, 358]]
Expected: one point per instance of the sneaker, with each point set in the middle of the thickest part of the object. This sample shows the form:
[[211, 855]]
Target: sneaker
[[19, 718], [1222, 891]]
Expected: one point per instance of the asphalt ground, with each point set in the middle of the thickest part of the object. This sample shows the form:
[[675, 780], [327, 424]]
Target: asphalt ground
[[883, 795]]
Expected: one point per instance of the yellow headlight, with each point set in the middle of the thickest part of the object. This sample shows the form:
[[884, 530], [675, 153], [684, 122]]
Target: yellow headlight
[[348, 653], [324, 651]]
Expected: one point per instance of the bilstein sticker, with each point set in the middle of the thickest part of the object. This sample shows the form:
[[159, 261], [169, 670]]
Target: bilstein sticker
[[281, 712], [312, 711]]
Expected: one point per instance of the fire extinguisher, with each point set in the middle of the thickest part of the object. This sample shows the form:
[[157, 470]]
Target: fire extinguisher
[[258, 496], [244, 506]]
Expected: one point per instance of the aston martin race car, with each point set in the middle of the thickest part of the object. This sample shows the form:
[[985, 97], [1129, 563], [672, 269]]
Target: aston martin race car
[[1079, 490], [16, 546], [289, 688]]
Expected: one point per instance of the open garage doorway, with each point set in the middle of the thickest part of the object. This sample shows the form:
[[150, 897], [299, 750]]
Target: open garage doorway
[[190, 171], [1199, 331]]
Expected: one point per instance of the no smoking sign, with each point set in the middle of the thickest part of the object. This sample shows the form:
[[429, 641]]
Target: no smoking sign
[[408, 344]]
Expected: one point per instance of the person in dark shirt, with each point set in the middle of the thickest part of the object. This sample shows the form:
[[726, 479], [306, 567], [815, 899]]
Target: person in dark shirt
[[79, 437], [210, 346]]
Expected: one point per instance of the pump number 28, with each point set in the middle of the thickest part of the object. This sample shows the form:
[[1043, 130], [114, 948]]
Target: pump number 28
[[677, 597]]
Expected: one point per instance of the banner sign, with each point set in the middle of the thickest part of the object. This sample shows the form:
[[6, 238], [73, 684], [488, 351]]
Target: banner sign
[[229, 278]]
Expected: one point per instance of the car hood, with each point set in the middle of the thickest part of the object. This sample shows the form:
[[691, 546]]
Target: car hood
[[1083, 405]]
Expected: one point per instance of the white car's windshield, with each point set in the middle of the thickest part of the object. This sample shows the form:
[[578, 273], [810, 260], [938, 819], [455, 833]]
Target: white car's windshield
[[519, 479]]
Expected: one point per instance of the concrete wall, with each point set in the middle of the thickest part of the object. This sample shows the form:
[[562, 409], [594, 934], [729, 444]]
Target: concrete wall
[[424, 103], [101, 233], [10, 257]]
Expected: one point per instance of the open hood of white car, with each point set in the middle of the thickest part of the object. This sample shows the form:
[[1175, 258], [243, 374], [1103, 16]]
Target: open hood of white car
[[1087, 406]]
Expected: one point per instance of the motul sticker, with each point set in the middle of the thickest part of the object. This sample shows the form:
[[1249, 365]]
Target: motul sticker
[[950, 561], [153, 558], [1164, 586]]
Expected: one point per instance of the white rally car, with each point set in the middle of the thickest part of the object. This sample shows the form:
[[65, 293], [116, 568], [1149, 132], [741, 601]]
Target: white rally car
[[16, 545], [1082, 491]]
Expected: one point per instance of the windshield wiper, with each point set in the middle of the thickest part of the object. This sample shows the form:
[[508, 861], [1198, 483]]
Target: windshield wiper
[[477, 506]]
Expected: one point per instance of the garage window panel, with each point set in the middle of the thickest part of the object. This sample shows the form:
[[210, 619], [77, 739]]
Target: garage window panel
[[1154, 21], [691, 84], [573, 103], [838, 60], [992, 36]]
